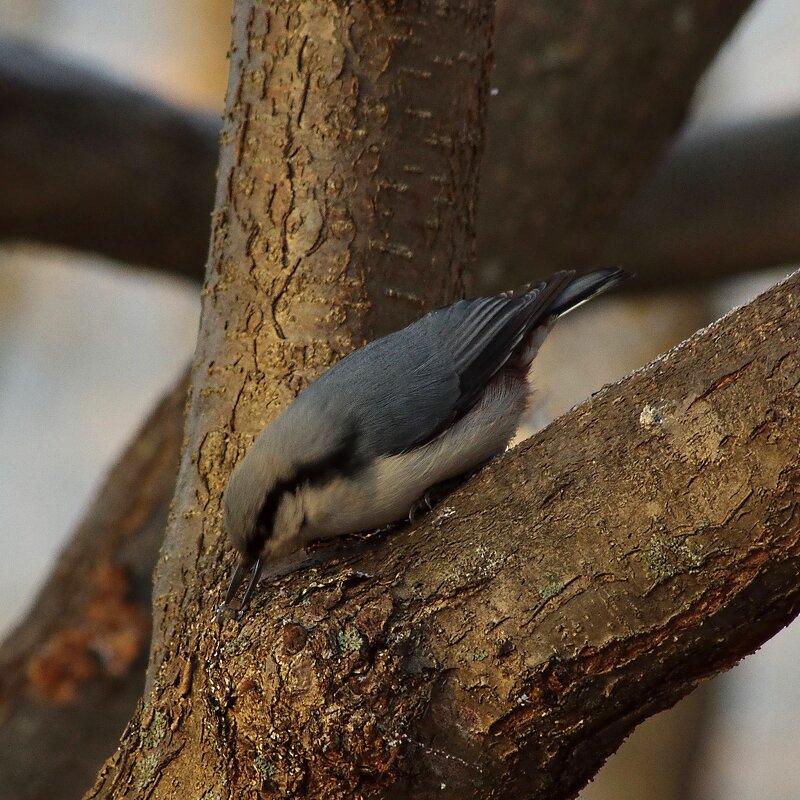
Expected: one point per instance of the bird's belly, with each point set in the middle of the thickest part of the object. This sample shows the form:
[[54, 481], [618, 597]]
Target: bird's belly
[[385, 491], [361, 504]]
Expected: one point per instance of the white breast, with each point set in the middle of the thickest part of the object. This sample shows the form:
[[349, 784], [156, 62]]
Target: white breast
[[386, 491]]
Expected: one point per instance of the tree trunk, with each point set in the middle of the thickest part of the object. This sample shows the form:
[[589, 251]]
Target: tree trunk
[[345, 207], [434, 663], [589, 95]]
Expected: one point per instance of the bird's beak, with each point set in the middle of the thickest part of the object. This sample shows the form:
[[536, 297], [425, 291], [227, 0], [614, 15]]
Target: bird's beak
[[245, 565]]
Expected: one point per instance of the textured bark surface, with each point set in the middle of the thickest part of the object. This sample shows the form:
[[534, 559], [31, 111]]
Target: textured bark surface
[[97, 165], [345, 207], [72, 671], [588, 96], [196, 687], [505, 646]]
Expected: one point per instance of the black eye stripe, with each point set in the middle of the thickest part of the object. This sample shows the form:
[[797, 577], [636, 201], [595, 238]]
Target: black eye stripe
[[266, 519], [341, 461]]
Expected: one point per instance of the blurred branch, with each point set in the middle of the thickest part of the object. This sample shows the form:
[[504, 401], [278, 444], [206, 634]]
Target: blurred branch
[[589, 95], [90, 163], [725, 200], [97, 165], [75, 664]]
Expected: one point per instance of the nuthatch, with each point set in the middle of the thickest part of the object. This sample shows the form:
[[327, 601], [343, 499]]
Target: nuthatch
[[362, 444]]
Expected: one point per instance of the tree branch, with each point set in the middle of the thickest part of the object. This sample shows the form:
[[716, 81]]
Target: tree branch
[[97, 165], [726, 200], [434, 663], [73, 669], [188, 672], [508, 644], [583, 108]]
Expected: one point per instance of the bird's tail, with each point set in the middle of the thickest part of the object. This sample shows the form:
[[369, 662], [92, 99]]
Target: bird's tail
[[584, 288]]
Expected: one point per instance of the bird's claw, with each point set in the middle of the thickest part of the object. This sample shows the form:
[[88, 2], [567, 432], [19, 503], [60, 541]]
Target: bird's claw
[[227, 610], [424, 503]]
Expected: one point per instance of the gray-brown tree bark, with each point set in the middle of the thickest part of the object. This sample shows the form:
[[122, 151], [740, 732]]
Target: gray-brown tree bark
[[346, 186], [507, 644], [218, 575], [512, 640]]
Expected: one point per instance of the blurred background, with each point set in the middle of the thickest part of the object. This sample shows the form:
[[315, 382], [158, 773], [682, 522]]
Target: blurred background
[[87, 347]]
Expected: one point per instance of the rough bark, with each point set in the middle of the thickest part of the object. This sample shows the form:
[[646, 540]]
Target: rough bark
[[433, 662], [507, 644], [345, 207], [588, 96], [726, 200], [93, 164], [72, 671], [187, 674]]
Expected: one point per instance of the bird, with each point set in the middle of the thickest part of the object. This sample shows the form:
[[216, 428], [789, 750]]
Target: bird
[[361, 445]]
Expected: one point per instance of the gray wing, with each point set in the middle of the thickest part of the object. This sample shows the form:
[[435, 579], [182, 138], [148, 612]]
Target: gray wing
[[405, 388], [490, 330]]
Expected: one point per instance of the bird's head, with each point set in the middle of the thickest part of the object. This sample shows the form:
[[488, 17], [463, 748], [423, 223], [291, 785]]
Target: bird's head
[[260, 517], [263, 505]]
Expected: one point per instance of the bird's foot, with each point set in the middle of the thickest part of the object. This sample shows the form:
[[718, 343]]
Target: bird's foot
[[435, 494], [423, 505]]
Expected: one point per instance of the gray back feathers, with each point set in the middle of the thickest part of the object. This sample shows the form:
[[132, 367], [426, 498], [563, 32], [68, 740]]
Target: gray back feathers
[[403, 389], [393, 395]]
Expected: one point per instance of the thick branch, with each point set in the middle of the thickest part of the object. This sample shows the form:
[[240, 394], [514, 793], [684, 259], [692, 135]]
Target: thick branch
[[508, 644], [71, 673], [93, 164], [189, 675]]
